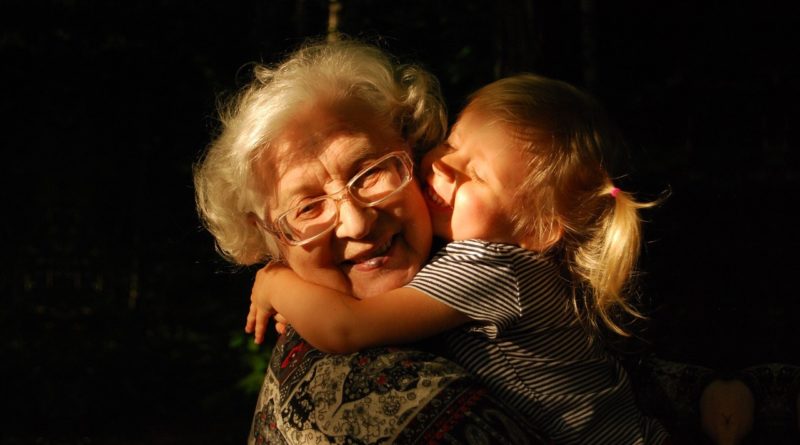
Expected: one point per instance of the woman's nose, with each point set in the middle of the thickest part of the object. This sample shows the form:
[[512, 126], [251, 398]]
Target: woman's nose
[[354, 221]]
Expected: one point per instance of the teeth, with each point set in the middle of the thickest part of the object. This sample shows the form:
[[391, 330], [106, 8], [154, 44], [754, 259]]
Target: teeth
[[372, 262], [436, 198]]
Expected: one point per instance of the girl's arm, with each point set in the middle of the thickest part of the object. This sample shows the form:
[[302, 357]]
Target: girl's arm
[[336, 322]]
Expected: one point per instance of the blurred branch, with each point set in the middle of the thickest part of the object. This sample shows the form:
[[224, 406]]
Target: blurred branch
[[334, 6]]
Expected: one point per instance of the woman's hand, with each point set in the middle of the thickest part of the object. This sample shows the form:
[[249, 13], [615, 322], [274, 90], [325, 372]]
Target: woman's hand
[[261, 305]]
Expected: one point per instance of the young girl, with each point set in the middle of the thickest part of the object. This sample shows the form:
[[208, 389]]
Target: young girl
[[543, 246]]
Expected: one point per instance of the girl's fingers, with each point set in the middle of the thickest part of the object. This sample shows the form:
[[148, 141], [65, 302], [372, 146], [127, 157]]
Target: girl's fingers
[[251, 319], [280, 323], [261, 325]]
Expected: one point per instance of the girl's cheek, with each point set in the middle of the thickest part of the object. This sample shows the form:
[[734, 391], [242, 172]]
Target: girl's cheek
[[468, 201]]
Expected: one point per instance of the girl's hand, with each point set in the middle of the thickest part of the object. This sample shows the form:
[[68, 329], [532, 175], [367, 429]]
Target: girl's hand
[[257, 321], [280, 323], [260, 305]]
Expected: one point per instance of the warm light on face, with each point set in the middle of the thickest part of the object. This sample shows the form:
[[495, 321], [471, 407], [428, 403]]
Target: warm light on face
[[370, 187], [471, 180], [356, 215]]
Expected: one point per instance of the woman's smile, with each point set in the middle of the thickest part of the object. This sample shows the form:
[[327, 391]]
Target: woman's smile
[[372, 258]]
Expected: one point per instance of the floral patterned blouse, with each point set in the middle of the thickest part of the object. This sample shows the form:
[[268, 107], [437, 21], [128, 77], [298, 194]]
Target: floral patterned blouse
[[377, 396]]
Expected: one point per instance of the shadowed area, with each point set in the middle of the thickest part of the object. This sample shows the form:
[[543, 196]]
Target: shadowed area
[[120, 324]]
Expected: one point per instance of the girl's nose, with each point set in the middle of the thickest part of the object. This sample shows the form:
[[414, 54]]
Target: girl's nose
[[443, 171], [355, 221]]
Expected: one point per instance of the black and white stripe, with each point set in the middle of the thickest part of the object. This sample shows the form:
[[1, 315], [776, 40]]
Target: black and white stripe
[[527, 347]]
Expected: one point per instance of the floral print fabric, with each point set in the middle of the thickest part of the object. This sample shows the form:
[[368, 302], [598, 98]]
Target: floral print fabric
[[377, 396]]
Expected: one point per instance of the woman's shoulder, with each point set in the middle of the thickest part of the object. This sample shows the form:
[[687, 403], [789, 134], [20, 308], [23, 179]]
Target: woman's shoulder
[[295, 361], [387, 394]]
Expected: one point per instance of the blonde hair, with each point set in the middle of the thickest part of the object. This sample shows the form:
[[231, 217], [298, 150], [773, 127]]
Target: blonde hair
[[230, 190], [572, 206]]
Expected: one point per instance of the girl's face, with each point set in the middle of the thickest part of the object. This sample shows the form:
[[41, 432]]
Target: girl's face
[[470, 181]]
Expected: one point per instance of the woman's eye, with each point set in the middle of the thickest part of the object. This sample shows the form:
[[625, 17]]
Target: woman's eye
[[371, 178], [309, 211]]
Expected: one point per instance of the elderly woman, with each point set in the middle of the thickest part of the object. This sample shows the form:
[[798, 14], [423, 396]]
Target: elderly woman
[[314, 167]]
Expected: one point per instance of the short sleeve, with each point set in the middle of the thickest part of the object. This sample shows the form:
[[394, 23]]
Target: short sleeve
[[476, 278]]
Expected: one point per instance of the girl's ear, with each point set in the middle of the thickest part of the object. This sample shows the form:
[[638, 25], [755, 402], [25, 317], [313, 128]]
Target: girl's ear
[[556, 233]]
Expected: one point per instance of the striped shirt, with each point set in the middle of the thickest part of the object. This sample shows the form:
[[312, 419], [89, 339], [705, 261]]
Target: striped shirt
[[527, 347]]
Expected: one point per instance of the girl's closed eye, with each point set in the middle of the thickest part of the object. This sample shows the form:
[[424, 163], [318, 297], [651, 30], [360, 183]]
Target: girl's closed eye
[[474, 175]]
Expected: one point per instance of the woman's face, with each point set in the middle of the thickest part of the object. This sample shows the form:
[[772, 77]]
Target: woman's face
[[371, 250]]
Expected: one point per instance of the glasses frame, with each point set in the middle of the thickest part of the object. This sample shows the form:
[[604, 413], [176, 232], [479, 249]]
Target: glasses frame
[[339, 196]]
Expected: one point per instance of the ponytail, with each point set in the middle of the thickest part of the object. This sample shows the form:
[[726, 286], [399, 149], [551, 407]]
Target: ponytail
[[606, 260]]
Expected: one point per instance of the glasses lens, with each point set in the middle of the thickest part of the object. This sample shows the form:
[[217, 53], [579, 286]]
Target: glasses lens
[[368, 188], [308, 220], [380, 180]]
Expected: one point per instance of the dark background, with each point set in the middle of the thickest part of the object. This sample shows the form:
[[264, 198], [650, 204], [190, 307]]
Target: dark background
[[121, 325]]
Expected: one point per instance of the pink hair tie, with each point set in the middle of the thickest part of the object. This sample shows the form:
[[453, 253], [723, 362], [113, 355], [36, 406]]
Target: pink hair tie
[[614, 192]]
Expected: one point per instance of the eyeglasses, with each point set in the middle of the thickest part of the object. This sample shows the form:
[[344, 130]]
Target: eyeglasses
[[375, 184]]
